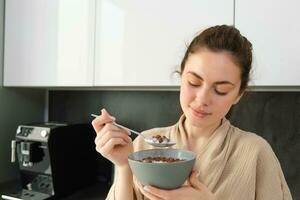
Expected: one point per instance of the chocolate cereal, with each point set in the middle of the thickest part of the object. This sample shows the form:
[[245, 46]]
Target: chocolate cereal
[[160, 160], [160, 139]]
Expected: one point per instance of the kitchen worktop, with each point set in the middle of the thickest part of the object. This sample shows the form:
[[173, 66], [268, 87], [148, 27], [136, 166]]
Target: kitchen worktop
[[94, 192]]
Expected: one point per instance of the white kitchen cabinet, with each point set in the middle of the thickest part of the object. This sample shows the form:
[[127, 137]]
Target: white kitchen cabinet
[[273, 28], [49, 43], [141, 43]]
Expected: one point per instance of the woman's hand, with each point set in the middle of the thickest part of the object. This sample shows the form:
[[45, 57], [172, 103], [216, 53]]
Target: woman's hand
[[112, 142], [197, 191]]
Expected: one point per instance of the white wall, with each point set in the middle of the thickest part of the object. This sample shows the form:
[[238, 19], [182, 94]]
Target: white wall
[[1, 40], [17, 106]]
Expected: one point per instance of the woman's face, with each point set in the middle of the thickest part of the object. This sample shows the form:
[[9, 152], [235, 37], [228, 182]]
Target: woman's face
[[209, 87]]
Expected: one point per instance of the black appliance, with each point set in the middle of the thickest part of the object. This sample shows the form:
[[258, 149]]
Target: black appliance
[[56, 160]]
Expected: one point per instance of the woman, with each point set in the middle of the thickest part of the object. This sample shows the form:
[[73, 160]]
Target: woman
[[231, 164]]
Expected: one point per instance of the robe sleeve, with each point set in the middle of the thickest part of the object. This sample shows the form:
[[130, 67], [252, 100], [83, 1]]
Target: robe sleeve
[[138, 144], [270, 181], [137, 195]]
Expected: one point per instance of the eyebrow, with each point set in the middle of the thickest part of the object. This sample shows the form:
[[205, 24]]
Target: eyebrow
[[217, 82]]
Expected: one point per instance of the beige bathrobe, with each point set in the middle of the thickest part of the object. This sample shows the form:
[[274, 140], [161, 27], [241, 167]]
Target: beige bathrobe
[[233, 164]]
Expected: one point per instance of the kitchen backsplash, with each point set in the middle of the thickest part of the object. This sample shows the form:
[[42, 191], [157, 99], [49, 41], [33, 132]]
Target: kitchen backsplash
[[273, 115]]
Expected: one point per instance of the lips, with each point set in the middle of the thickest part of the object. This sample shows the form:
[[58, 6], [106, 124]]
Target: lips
[[200, 113]]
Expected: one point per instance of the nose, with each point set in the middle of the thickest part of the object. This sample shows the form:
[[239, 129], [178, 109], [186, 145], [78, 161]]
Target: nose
[[203, 96]]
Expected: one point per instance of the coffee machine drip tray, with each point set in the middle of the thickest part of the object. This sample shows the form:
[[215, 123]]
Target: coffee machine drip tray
[[26, 195]]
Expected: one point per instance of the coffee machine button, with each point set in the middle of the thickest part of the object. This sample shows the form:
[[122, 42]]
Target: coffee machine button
[[44, 133], [19, 130]]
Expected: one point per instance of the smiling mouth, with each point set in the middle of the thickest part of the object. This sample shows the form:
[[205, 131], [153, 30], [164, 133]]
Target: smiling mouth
[[201, 113]]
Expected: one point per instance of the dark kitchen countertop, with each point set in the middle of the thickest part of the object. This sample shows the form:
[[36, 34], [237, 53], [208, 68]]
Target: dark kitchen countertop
[[96, 191]]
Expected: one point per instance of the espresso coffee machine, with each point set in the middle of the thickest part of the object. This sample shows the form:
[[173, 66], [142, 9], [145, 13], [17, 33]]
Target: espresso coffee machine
[[55, 160]]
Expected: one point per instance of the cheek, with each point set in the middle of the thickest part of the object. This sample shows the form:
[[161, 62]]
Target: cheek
[[224, 105], [182, 97], [186, 96]]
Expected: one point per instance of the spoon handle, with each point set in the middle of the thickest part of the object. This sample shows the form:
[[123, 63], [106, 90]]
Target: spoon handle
[[120, 126], [133, 131]]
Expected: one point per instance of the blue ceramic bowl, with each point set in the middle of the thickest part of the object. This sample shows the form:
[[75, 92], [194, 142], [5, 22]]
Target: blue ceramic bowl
[[162, 175]]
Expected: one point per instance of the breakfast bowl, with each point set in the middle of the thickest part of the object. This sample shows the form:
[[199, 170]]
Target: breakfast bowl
[[162, 168]]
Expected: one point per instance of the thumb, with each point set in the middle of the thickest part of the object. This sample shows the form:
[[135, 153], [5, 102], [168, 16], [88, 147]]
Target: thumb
[[194, 181], [105, 114]]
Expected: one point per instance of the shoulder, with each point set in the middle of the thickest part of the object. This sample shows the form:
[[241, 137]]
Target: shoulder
[[251, 149], [249, 141]]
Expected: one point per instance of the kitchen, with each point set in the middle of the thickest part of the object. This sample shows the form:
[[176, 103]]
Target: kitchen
[[139, 87]]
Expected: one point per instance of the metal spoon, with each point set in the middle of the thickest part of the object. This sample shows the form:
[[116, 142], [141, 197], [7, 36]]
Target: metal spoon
[[147, 140]]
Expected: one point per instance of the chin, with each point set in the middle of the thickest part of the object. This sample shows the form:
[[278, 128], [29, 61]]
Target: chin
[[197, 121]]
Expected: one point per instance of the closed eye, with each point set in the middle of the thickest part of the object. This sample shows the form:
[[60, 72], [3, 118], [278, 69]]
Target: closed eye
[[194, 84], [220, 93]]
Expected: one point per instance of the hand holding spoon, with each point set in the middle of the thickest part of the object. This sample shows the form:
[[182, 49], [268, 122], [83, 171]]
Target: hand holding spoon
[[150, 141]]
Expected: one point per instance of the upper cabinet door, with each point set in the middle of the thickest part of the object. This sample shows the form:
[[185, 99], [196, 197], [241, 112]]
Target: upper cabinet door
[[142, 43], [273, 28], [49, 43]]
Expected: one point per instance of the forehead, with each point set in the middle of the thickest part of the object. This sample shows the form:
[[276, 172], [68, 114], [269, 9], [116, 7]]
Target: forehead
[[215, 66]]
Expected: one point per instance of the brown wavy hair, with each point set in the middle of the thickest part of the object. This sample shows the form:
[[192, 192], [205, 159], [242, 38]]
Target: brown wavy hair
[[224, 38]]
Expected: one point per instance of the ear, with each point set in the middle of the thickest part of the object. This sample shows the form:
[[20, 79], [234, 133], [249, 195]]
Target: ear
[[238, 98]]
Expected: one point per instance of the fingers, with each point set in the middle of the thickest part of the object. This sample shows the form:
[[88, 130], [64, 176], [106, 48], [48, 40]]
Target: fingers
[[107, 136], [99, 122], [155, 191], [107, 148], [147, 194], [193, 179], [103, 138]]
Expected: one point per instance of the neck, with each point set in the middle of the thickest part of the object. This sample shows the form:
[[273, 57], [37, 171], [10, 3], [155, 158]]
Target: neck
[[200, 133]]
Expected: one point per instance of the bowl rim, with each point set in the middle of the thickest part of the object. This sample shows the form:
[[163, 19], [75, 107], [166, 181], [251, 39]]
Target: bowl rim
[[164, 163]]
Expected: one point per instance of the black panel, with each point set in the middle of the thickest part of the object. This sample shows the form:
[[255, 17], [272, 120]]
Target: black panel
[[273, 115]]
